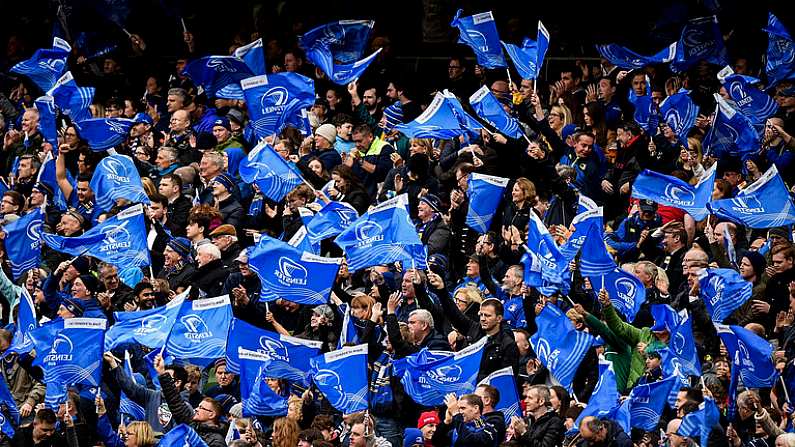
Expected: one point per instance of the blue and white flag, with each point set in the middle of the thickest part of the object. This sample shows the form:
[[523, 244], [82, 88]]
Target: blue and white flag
[[47, 176], [766, 203], [199, 334], [70, 351], [26, 322], [665, 318], [646, 403], [752, 102], [8, 406], [344, 74], [47, 120], [258, 398], [253, 55], [780, 60], [23, 242], [330, 221], [127, 407], [671, 191], [292, 274], [73, 100], [272, 174], [149, 327], [182, 435], [646, 112], [272, 100], [465, 120], [679, 112], [55, 395], [46, 65], [701, 422], [104, 133], [544, 264], [723, 291], [348, 395], [582, 222], [294, 351], [440, 120], [345, 40], [119, 240], [529, 57], [625, 290], [604, 400], [627, 59], [428, 376], [116, 177], [485, 194], [701, 39], [383, 235], [751, 356], [489, 108], [732, 134], [681, 344], [300, 241], [503, 380], [558, 345], [594, 258], [479, 32], [213, 73], [671, 367]]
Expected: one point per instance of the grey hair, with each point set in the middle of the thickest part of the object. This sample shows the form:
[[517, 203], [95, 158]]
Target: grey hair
[[423, 315], [172, 152], [210, 249]]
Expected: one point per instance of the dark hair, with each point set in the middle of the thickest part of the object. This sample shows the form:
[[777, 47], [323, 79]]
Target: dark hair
[[310, 435], [175, 179], [179, 373], [46, 415], [631, 127], [159, 198], [341, 118], [141, 286], [493, 393], [323, 422], [495, 303], [563, 397], [346, 173], [473, 399], [363, 129], [19, 201], [84, 177]]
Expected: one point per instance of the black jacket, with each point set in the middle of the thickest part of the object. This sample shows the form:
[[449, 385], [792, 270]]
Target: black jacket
[[616, 437], [177, 215], [546, 431], [435, 235], [210, 278], [434, 341], [497, 420], [213, 434]]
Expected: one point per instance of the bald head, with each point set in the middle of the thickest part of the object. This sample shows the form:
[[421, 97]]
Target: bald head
[[180, 121]]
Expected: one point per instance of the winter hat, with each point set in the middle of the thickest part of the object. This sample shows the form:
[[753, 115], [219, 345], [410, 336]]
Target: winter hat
[[223, 122], [226, 401], [324, 311], [432, 201], [758, 262], [412, 436], [81, 265], [43, 188], [225, 180], [91, 283], [205, 140], [236, 410], [428, 417], [393, 115], [180, 245], [143, 118], [327, 131], [73, 305]]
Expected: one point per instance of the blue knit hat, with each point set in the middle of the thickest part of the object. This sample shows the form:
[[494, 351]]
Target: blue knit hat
[[225, 180], [393, 116], [412, 436], [180, 245]]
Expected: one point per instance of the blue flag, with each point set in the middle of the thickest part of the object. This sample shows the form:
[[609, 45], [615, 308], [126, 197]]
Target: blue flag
[[55, 395], [479, 32], [273, 100], [752, 102], [625, 58], [595, 260], [292, 274], [337, 48], [23, 242], [723, 291], [8, 406], [646, 403], [701, 422], [440, 120], [701, 39], [558, 345], [751, 354], [199, 334], [780, 60], [528, 58], [294, 351], [258, 398], [671, 367], [46, 65], [582, 222], [26, 322], [682, 345], [181, 435], [671, 191], [127, 407], [383, 235], [73, 100], [665, 317], [766, 203], [348, 395], [485, 194], [104, 133], [119, 240], [149, 327], [465, 120], [330, 221], [646, 113], [428, 376], [503, 380], [116, 177], [47, 117], [489, 108], [272, 174], [679, 112], [213, 73], [70, 351], [544, 263], [604, 400], [253, 55], [732, 133], [625, 290], [47, 176]]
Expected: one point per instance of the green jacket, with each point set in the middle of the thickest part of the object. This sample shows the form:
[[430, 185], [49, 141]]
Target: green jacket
[[617, 350], [632, 336]]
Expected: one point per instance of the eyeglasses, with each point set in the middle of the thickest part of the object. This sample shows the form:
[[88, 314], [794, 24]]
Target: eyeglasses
[[205, 409], [556, 114]]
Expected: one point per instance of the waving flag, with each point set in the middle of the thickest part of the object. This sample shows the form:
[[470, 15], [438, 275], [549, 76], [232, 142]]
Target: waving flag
[[292, 274], [485, 194], [544, 264], [428, 376], [116, 177], [73, 100], [26, 322], [330, 221], [181, 435], [646, 112], [294, 351], [8, 406], [766, 203], [47, 117], [701, 40], [595, 260], [558, 345], [216, 72], [604, 400], [348, 395], [731, 134], [671, 191], [682, 345], [479, 32], [529, 58], [646, 403], [272, 174], [383, 235], [465, 120], [258, 398], [46, 65], [70, 351], [149, 328], [582, 222], [345, 40], [701, 422], [625, 290], [439, 120], [751, 354], [273, 99], [679, 112], [132, 410], [104, 133], [47, 176], [199, 334], [780, 60], [23, 242], [119, 240], [503, 380], [723, 291], [625, 58], [343, 74], [253, 56], [489, 108], [752, 102]]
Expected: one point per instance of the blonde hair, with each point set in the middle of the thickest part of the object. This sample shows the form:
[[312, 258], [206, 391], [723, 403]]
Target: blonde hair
[[143, 433], [149, 186], [285, 433], [528, 188], [472, 294], [364, 302]]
